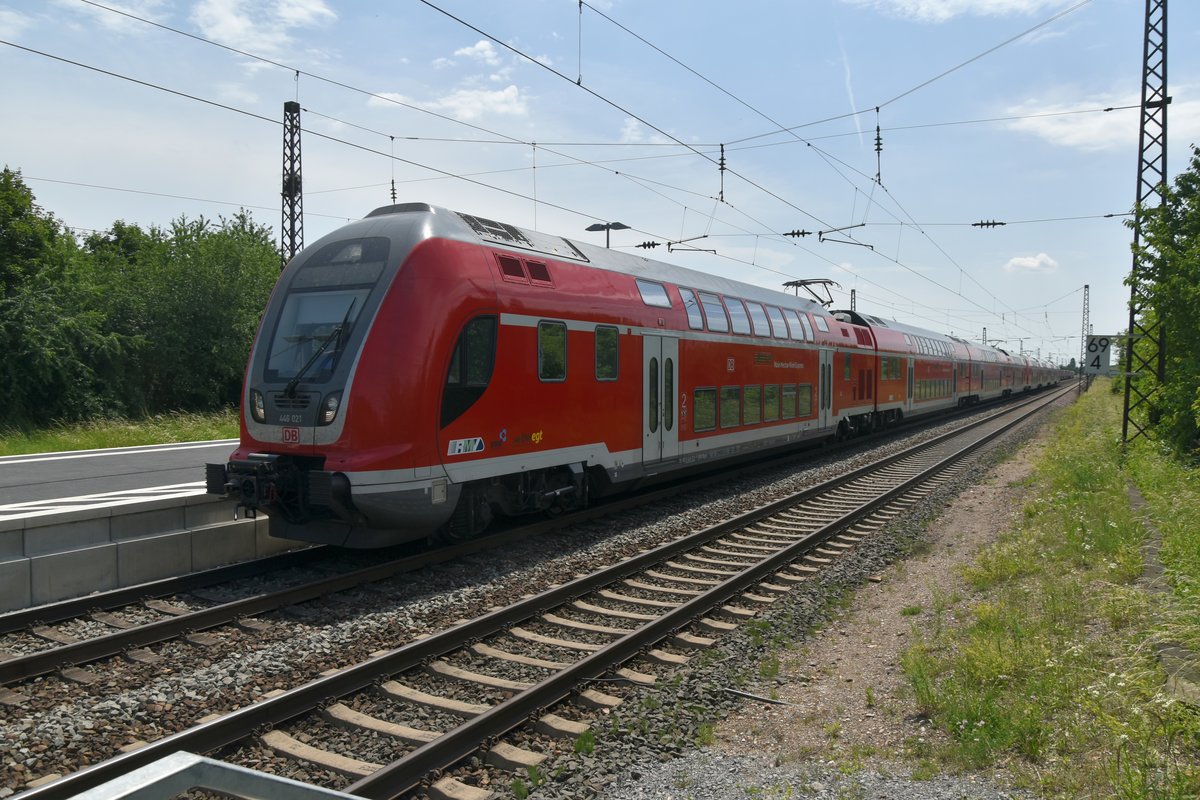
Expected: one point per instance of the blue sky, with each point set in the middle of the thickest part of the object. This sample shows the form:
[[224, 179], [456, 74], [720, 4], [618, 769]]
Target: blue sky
[[544, 114]]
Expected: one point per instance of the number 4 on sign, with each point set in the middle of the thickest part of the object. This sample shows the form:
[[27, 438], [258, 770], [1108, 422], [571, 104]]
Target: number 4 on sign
[[1098, 351]]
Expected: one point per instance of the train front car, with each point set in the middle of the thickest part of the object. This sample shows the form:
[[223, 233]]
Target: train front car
[[333, 413]]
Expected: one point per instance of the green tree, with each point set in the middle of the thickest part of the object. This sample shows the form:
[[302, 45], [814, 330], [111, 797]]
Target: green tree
[[1170, 269], [46, 348]]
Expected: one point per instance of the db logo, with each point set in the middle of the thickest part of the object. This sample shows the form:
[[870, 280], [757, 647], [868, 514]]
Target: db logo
[[291, 436]]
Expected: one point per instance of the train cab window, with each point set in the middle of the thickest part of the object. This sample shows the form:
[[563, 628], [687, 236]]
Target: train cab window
[[552, 351], [770, 403], [606, 353], [704, 410], [752, 405], [789, 401], [778, 326], [692, 306], [822, 324], [714, 313], [731, 406], [470, 367], [793, 323], [759, 318], [737, 315], [511, 269], [653, 294]]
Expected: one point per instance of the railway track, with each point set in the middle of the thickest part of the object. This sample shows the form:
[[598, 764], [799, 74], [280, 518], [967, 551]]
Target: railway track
[[505, 670], [62, 637]]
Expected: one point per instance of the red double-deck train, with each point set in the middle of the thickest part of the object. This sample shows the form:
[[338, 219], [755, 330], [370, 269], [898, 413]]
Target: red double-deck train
[[422, 370]]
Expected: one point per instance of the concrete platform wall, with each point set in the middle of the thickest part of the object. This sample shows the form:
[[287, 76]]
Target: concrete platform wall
[[53, 557]]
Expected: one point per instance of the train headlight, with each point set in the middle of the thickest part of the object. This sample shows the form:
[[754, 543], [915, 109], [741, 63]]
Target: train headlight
[[329, 408], [257, 409]]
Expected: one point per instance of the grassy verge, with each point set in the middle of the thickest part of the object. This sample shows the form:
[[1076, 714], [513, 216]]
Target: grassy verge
[[158, 429], [1053, 673]]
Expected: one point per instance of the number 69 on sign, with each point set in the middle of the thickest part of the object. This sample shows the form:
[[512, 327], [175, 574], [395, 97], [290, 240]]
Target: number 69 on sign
[[1098, 350]]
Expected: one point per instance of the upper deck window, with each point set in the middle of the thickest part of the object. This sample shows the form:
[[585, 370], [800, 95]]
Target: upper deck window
[[714, 312], [778, 326], [822, 324], [793, 321], [653, 294], [692, 306], [759, 318], [737, 315]]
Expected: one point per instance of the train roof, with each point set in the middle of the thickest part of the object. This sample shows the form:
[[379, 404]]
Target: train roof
[[449, 224]]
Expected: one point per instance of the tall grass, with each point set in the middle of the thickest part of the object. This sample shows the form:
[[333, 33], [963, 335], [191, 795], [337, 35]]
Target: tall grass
[[158, 429], [1054, 672]]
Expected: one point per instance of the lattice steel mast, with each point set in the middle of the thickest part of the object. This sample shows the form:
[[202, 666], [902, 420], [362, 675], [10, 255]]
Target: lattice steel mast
[[291, 230], [1151, 180]]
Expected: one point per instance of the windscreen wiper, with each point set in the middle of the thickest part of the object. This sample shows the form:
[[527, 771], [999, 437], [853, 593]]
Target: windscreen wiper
[[336, 333]]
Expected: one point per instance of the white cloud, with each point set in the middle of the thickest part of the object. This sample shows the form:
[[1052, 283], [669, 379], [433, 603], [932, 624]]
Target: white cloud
[[631, 131], [1040, 263], [1103, 131], [465, 104], [483, 50], [944, 10], [115, 22], [258, 27], [471, 104], [303, 13], [12, 24]]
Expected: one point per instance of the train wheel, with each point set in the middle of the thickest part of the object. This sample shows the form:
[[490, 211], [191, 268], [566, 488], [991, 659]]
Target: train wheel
[[470, 518]]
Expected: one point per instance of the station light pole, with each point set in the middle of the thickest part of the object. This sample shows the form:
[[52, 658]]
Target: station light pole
[[607, 227]]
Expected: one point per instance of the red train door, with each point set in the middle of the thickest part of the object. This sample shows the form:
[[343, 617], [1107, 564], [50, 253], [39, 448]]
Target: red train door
[[660, 389], [825, 390]]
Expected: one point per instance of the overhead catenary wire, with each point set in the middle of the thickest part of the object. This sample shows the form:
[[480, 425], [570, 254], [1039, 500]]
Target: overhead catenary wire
[[447, 174]]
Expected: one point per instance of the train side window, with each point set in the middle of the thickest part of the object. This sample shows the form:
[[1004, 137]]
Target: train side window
[[778, 326], [606, 353], [770, 403], [759, 318], [789, 401], [804, 399], [793, 323], [471, 366], [653, 294], [552, 351], [731, 406], [808, 331], [822, 325], [692, 306], [511, 269], [737, 315], [752, 405], [704, 409], [714, 313]]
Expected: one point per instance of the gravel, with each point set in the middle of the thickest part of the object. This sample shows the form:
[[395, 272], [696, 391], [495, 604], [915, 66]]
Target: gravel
[[65, 726]]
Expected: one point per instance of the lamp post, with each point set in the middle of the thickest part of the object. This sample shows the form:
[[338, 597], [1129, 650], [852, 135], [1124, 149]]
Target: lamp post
[[607, 227]]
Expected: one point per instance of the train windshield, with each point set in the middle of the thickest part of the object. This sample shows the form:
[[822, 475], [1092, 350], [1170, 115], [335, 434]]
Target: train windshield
[[323, 301]]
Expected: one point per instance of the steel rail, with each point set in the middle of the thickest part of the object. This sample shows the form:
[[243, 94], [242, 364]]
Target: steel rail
[[452, 747], [270, 712]]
